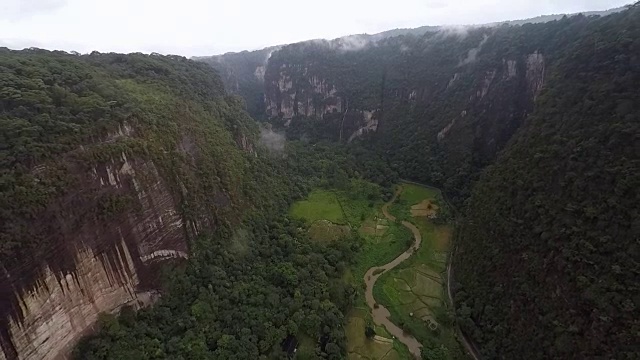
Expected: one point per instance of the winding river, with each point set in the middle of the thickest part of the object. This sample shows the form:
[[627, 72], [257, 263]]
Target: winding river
[[380, 313]]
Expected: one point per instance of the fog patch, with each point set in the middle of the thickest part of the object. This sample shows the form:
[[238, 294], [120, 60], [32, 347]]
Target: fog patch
[[272, 140], [268, 56], [459, 31], [240, 242], [352, 43], [346, 43], [472, 55]]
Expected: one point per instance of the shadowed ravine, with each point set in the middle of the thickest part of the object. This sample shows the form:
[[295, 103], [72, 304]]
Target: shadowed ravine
[[380, 313]]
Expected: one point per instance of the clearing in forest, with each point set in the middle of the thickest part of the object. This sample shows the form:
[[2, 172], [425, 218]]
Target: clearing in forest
[[375, 226], [425, 208], [319, 205], [414, 292], [333, 214], [380, 346]]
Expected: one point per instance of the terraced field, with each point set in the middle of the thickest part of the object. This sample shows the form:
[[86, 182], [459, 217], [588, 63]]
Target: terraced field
[[332, 215], [414, 292]]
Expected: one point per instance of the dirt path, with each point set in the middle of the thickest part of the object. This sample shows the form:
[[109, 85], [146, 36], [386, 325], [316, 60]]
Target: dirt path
[[381, 314]]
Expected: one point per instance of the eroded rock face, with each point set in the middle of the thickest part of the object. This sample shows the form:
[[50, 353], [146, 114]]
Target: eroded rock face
[[312, 96], [370, 125], [96, 264], [511, 69], [535, 72], [95, 261]]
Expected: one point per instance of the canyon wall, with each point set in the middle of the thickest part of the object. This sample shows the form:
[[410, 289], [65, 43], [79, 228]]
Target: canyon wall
[[452, 100], [124, 189], [452, 97], [97, 262]]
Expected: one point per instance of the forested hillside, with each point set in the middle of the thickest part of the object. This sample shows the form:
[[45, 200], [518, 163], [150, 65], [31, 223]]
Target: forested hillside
[[439, 106], [440, 102], [243, 74], [126, 176], [549, 259], [250, 287], [63, 114], [107, 161], [110, 162]]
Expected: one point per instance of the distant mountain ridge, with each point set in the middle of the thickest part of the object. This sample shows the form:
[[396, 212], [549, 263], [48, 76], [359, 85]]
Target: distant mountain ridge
[[427, 28]]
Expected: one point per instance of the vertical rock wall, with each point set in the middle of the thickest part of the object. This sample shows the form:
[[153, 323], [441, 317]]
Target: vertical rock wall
[[97, 263]]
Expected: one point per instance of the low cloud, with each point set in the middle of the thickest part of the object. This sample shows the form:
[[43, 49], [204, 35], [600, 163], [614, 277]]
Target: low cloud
[[14, 10], [352, 43], [272, 140], [460, 31], [472, 55]]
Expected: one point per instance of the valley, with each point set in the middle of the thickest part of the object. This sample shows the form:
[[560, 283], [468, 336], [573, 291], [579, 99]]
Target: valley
[[411, 284], [271, 204]]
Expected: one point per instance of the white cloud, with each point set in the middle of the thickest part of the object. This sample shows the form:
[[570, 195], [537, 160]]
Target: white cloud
[[202, 27], [19, 9]]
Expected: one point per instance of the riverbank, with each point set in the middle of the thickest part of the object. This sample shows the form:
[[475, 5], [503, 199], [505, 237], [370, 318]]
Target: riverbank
[[379, 313]]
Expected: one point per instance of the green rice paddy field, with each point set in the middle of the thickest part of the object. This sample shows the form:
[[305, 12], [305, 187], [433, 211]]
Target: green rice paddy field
[[413, 292]]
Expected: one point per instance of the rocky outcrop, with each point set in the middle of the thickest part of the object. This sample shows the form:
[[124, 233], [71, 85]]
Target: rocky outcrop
[[453, 80], [535, 72], [97, 262], [370, 125], [510, 70], [486, 83], [102, 239], [259, 73], [442, 133], [311, 95]]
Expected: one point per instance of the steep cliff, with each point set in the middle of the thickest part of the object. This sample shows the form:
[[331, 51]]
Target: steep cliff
[[110, 164], [451, 99], [243, 74], [439, 102], [549, 257]]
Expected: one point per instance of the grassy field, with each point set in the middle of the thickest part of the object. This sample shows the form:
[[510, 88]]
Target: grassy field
[[382, 346], [320, 205], [414, 292], [381, 248], [412, 196], [333, 214]]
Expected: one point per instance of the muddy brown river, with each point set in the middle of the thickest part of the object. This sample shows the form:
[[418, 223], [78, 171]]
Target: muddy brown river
[[380, 313]]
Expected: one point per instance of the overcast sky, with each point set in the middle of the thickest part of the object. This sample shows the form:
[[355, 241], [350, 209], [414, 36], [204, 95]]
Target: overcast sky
[[206, 27]]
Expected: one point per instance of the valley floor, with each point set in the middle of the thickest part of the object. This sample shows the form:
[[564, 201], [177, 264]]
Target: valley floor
[[413, 290]]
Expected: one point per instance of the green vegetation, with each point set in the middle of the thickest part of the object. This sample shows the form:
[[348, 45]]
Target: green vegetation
[[380, 249], [412, 195], [320, 205], [237, 304], [556, 218], [378, 243], [553, 219], [414, 292], [65, 115], [235, 299], [253, 277], [546, 259], [381, 346]]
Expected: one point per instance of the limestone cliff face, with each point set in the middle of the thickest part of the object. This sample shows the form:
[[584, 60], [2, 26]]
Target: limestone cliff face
[[311, 95], [99, 258], [456, 102], [296, 90], [97, 263]]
